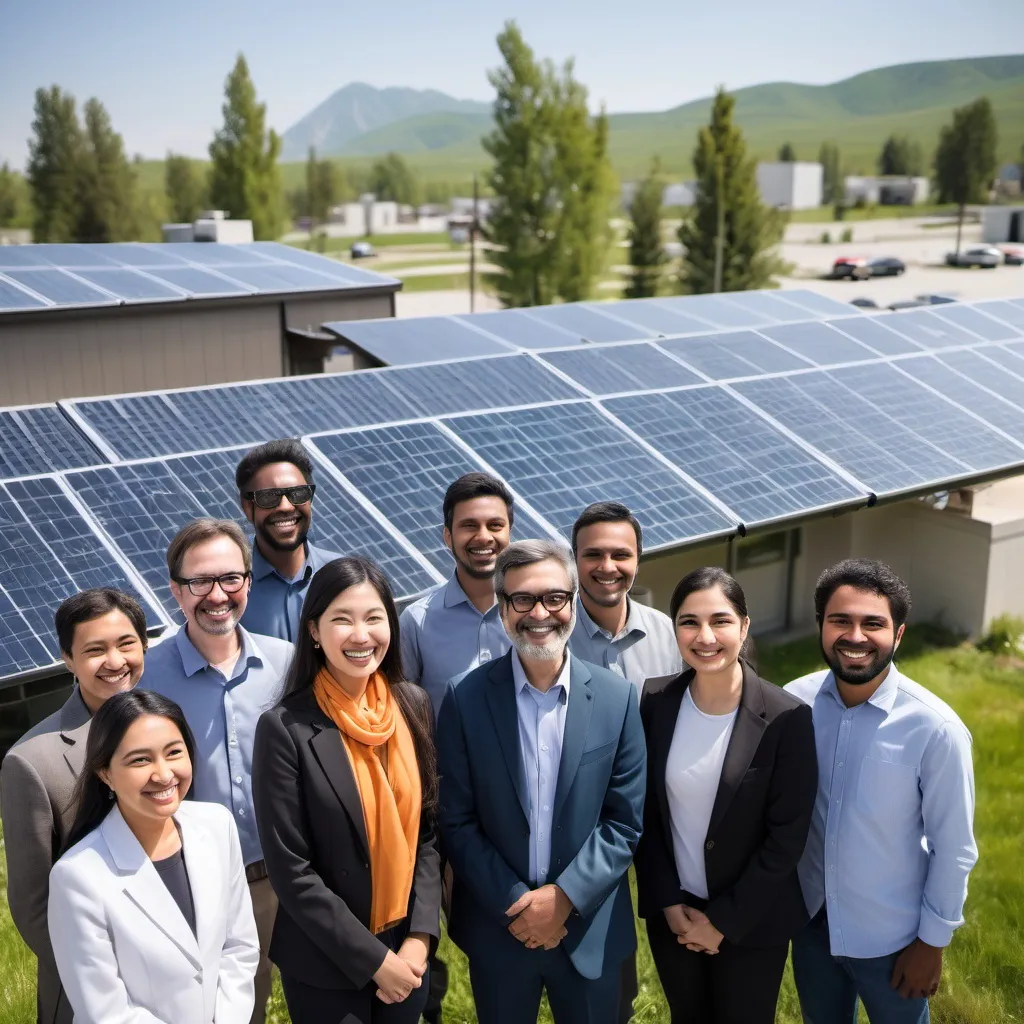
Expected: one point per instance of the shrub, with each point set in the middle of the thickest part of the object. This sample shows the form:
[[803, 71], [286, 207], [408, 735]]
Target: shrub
[[826, 238], [1005, 636], [847, 235]]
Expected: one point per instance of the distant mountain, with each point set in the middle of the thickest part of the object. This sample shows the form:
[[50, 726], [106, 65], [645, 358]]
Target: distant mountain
[[858, 113], [359, 108]]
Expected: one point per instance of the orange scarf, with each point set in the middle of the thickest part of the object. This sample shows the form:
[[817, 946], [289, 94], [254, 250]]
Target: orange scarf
[[391, 799]]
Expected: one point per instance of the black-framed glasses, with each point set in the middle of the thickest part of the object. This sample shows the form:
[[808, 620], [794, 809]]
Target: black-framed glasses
[[553, 601], [200, 586], [270, 497]]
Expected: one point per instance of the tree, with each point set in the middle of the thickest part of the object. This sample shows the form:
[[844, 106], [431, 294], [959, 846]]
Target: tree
[[646, 251], [185, 186], [55, 157], [8, 196], [965, 161], [323, 181], [787, 154], [831, 179], [245, 178], [106, 183], [901, 156], [392, 180], [728, 207]]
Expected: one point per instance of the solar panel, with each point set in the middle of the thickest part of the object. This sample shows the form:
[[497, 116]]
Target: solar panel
[[280, 277], [818, 343], [870, 331], [585, 322], [68, 254], [978, 365], [521, 330], [199, 282], [717, 310], [734, 453], [738, 354], [61, 288], [975, 322], [928, 330], [314, 261], [216, 254], [1008, 312], [130, 285], [562, 458], [48, 551], [40, 439], [820, 305], [611, 369], [1009, 357], [131, 254], [12, 297], [404, 471], [772, 307], [419, 340], [655, 316]]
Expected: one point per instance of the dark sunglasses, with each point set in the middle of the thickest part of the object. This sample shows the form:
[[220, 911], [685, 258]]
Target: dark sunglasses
[[270, 497], [201, 586], [553, 601]]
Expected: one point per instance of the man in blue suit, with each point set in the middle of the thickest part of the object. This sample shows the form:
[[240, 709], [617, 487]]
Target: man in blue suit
[[542, 763]]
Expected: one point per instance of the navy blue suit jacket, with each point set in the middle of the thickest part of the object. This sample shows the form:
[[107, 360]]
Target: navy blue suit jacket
[[598, 813]]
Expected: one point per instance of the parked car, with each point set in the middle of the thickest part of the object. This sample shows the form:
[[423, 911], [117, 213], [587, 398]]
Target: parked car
[[1013, 255], [847, 266], [362, 250], [885, 266], [864, 303], [860, 268], [986, 256]]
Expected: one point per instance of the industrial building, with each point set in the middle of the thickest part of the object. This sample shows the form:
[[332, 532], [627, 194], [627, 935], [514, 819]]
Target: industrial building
[[1002, 224], [791, 186], [887, 190]]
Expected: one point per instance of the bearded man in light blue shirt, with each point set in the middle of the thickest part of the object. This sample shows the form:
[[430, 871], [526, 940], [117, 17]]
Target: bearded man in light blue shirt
[[884, 873]]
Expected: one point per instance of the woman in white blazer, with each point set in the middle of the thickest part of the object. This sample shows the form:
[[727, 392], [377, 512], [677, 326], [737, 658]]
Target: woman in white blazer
[[149, 911]]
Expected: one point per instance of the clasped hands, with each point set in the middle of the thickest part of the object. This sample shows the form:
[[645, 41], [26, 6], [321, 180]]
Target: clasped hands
[[539, 917], [693, 929], [403, 971]]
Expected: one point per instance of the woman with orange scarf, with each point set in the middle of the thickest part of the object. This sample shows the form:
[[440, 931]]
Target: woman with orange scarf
[[345, 790]]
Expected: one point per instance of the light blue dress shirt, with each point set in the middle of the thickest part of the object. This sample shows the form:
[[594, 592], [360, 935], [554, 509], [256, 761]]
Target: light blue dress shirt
[[222, 714], [645, 648], [275, 602], [541, 728], [891, 841], [444, 636]]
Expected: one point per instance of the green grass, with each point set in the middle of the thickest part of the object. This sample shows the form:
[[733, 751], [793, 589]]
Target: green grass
[[983, 979], [388, 241], [826, 214]]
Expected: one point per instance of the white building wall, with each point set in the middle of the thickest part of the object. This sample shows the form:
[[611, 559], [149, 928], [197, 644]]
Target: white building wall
[[996, 221], [794, 186]]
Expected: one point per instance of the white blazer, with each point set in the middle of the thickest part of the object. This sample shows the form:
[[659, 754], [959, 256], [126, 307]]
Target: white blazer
[[126, 954]]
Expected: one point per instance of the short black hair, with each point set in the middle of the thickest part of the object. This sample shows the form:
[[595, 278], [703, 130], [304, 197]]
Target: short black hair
[[287, 449], [865, 574], [475, 485], [87, 605], [705, 578], [607, 512]]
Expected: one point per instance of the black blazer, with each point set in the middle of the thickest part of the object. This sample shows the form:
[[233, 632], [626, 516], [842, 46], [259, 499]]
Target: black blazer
[[761, 815], [314, 842]]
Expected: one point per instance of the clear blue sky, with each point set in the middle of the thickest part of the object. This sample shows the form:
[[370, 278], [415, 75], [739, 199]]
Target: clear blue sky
[[160, 68]]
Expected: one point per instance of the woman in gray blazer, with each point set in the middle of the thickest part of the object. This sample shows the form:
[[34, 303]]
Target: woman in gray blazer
[[102, 638]]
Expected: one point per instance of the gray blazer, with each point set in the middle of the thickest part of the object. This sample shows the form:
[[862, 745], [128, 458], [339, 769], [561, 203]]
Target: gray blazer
[[36, 783]]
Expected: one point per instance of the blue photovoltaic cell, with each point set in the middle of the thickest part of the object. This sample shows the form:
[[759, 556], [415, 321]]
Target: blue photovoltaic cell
[[444, 388], [323, 264], [130, 285], [734, 453], [928, 330], [404, 471], [61, 288], [197, 281], [971, 320], [739, 354], [279, 277], [215, 254], [870, 331], [716, 310], [818, 343], [1008, 312], [1009, 357], [40, 439], [611, 369], [417, 339], [12, 297], [585, 322], [515, 327], [22, 256], [767, 305], [820, 305], [134, 254], [655, 316], [48, 551], [985, 366], [71, 254], [562, 458]]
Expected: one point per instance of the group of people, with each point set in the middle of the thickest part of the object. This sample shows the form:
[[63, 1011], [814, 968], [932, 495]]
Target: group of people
[[302, 776]]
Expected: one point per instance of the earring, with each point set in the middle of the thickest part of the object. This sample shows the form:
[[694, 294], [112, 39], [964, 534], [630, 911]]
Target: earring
[[110, 793], [316, 646]]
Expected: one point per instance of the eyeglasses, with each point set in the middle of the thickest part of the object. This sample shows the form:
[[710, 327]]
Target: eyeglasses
[[200, 586], [270, 497], [553, 601]]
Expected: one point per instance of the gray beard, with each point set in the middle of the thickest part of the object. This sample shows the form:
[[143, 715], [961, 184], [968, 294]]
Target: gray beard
[[545, 652]]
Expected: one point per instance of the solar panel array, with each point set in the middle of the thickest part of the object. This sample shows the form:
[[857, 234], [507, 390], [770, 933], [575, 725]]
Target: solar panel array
[[37, 277], [750, 412]]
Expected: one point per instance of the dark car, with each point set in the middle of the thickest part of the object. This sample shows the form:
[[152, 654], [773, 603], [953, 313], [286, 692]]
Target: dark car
[[885, 266]]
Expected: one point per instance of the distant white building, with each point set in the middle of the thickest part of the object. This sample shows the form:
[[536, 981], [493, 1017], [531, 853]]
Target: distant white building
[[886, 190], [680, 193], [791, 186], [1002, 224], [365, 217], [210, 226]]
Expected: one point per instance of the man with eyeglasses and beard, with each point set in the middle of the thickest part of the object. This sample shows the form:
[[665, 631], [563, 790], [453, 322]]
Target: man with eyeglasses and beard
[[275, 488], [543, 770], [224, 678], [884, 872]]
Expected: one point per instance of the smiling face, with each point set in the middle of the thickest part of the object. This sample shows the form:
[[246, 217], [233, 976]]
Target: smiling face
[[355, 634], [539, 634], [283, 528], [709, 631], [479, 533], [106, 657], [858, 637], [607, 560], [150, 772], [217, 613]]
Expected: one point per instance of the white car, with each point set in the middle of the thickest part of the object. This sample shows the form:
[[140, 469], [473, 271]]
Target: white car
[[980, 256]]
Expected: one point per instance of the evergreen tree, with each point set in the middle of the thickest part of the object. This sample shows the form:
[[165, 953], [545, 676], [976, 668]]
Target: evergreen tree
[[323, 186], [54, 166], [106, 183], [901, 156], [646, 251], [185, 185], [965, 161], [787, 154], [392, 180], [245, 178], [832, 182], [8, 196], [751, 231]]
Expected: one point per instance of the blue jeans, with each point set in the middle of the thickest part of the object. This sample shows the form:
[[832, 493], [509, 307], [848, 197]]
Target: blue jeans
[[828, 986]]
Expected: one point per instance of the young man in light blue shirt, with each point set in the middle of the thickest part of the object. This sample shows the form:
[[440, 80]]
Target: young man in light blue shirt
[[275, 488], [884, 873]]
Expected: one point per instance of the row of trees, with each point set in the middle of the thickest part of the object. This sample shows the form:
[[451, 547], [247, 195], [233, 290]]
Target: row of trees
[[899, 155]]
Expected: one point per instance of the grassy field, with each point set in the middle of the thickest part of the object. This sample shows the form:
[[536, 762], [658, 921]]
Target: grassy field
[[983, 981]]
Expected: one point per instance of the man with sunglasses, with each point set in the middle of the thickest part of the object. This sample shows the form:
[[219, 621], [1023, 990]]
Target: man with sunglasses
[[224, 678], [543, 769], [275, 487]]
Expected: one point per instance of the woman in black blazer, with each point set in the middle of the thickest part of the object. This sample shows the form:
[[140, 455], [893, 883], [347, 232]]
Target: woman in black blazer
[[731, 782], [345, 790]]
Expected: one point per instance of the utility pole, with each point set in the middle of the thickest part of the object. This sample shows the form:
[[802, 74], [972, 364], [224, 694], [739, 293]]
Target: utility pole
[[472, 249], [720, 236]]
